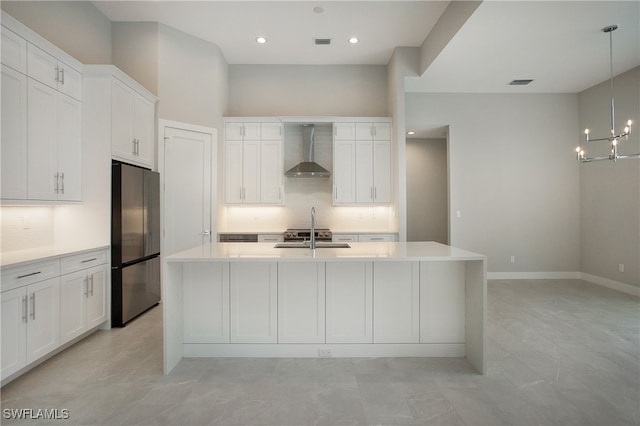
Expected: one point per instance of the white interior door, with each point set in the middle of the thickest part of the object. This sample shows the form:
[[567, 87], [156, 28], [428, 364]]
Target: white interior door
[[189, 182]]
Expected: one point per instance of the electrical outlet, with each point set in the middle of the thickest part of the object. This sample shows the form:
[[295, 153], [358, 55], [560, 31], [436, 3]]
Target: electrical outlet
[[513, 259], [324, 353], [621, 267]]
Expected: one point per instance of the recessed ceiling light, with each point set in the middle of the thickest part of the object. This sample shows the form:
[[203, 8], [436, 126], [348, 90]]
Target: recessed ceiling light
[[261, 40], [411, 132], [353, 40]]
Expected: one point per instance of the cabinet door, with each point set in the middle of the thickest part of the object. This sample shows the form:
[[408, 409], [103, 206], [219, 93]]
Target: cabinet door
[[349, 302], [42, 131], [122, 119], [144, 131], [254, 294], [364, 172], [382, 171], [344, 172], [381, 131], [271, 171], [301, 302], [96, 310], [344, 131], [442, 302], [14, 330], [251, 131], [43, 327], [250, 171], [42, 66], [206, 302], [396, 302], [364, 131], [233, 131], [233, 171], [14, 51], [14, 133], [69, 81], [69, 148], [74, 290], [270, 131]]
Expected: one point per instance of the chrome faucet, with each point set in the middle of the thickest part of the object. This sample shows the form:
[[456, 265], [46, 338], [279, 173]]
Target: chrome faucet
[[313, 228]]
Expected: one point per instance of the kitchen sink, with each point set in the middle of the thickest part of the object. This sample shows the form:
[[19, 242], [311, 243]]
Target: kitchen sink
[[319, 244]]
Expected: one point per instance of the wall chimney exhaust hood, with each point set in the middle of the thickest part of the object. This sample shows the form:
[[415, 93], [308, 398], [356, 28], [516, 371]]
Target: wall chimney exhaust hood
[[308, 168]]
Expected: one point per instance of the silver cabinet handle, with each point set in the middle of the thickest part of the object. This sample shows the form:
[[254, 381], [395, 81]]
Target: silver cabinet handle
[[377, 238], [206, 232], [86, 287], [57, 178], [91, 291], [29, 275], [89, 260], [57, 77], [25, 309], [62, 72], [62, 186], [375, 192], [133, 142], [371, 192], [33, 306]]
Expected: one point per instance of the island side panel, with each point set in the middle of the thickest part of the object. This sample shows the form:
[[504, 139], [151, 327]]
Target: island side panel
[[172, 315], [476, 314]]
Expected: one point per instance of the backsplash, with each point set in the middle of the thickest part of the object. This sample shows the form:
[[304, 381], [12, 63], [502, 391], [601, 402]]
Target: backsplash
[[303, 193], [26, 228]]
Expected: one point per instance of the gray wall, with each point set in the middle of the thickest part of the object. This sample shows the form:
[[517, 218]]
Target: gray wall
[[77, 27], [336, 90], [610, 192], [427, 192], [135, 51], [513, 176]]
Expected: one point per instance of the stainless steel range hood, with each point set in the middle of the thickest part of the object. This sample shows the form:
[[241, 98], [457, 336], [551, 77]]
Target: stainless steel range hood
[[308, 168]]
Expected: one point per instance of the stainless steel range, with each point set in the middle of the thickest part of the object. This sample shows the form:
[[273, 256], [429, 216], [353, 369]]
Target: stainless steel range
[[300, 235]]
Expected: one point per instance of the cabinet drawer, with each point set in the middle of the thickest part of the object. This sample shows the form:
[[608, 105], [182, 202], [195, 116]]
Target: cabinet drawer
[[270, 238], [376, 237], [14, 51], [19, 276], [344, 238], [83, 261]]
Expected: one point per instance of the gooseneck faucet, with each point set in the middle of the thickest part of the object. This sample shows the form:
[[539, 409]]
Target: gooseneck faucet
[[313, 228]]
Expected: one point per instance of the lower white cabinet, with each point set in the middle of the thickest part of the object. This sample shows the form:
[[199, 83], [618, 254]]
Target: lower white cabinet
[[301, 302], [396, 297], [442, 302], [206, 302], [30, 324], [254, 294], [349, 294], [82, 301]]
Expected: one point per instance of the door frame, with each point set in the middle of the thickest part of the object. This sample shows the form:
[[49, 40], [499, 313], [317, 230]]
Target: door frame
[[164, 124]]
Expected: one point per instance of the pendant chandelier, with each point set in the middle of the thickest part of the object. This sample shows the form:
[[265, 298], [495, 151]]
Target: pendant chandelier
[[614, 139]]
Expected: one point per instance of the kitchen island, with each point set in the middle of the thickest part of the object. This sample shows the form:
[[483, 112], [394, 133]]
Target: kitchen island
[[368, 300]]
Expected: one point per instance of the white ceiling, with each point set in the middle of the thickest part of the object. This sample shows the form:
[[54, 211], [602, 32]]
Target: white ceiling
[[291, 26]]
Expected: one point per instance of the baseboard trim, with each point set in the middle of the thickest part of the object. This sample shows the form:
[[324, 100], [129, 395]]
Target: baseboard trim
[[533, 275], [615, 285]]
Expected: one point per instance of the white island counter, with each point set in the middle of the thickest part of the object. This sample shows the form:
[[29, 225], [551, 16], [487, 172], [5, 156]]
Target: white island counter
[[369, 300]]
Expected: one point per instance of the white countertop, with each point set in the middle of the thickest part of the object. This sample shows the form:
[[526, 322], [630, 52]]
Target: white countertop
[[16, 258], [426, 250]]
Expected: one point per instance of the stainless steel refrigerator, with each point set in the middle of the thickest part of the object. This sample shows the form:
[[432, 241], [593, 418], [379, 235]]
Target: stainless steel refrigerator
[[135, 241]]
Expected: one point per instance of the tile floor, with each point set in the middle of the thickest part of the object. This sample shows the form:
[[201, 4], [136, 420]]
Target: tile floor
[[561, 352]]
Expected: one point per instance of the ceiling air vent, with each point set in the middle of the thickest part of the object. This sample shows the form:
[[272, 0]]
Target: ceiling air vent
[[520, 82], [322, 41]]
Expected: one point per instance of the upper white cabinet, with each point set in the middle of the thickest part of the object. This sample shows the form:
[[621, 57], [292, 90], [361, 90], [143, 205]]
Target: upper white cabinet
[[253, 163], [133, 124], [41, 119], [362, 163]]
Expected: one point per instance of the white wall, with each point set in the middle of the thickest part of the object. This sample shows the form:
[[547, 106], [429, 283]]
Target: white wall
[[610, 192], [308, 90], [135, 51], [513, 176], [427, 190], [77, 27]]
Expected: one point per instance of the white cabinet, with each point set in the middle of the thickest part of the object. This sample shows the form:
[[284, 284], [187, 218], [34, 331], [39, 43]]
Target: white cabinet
[[349, 302], [253, 163], [14, 133], [301, 302], [396, 302], [41, 119], [30, 321], [132, 125], [442, 302], [51, 71], [83, 294], [362, 163], [254, 293], [206, 302]]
